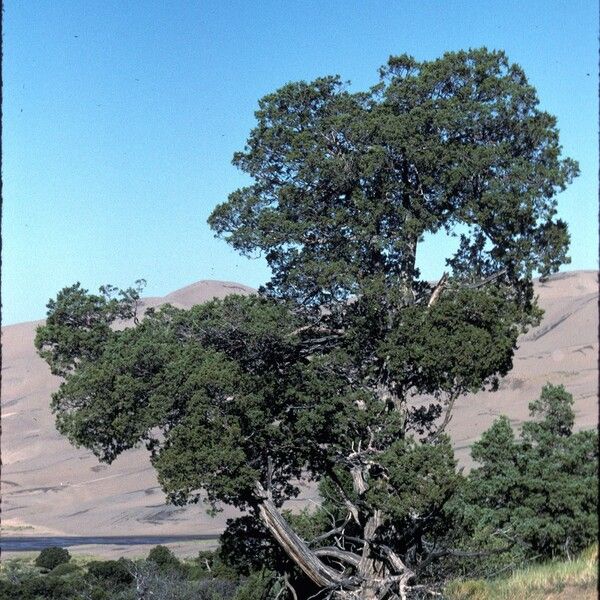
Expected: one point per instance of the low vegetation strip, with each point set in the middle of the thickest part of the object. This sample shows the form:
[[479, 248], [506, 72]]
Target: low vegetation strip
[[560, 580], [54, 574]]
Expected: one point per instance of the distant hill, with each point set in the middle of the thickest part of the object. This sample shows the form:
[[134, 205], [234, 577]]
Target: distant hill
[[50, 487]]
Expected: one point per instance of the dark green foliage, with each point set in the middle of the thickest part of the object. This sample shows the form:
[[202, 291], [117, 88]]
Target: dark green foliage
[[541, 488], [52, 557], [36, 588], [200, 376], [78, 324], [9, 590], [247, 546], [463, 341], [115, 573], [347, 183], [554, 407], [65, 569], [99, 593], [164, 558], [168, 583], [213, 589], [118, 580], [258, 586], [322, 375], [420, 479], [210, 565]]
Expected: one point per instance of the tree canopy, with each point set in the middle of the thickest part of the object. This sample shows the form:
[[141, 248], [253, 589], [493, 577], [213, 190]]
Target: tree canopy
[[345, 367], [346, 184]]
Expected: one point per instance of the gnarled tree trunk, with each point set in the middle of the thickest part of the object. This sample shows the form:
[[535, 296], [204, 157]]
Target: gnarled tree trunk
[[374, 577]]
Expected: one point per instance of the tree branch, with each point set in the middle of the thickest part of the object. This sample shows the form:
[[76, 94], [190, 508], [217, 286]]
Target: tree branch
[[461, 554], [396, 562], [447, 415], [293, 545], [489, 279], [334, 531], [343, 555], [348, 503], [437, 290], [289, 586]]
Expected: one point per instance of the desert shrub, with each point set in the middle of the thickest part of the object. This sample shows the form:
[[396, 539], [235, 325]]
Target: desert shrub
[[17, 570], [56, 588], [65, 569], [99, 592], [164, 558], [216, 589], [532, 496], [257, 586], [9, 590], [171, 584], [202, 566], [114, 572], [210, 565], [52, 557]]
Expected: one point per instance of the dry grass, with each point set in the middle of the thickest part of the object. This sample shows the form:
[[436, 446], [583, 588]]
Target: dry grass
[[570, 580]]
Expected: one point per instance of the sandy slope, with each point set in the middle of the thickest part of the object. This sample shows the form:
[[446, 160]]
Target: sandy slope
[[50, 487], [562, 350]]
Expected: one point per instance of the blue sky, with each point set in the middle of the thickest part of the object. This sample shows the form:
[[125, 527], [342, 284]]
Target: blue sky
[[120, 120]]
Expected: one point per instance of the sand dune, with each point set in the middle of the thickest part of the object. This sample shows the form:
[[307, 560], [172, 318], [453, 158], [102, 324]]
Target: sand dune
[[562, 350], [49, 487]]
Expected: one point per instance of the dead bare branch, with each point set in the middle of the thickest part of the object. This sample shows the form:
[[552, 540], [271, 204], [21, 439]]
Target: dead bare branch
[[343, 555], [437, 290]]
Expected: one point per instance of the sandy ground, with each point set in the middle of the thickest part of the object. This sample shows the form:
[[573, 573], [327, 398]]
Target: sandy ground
[[49, 487]]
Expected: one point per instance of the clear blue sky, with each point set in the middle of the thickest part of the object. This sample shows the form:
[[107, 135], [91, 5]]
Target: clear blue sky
[[121, 118]]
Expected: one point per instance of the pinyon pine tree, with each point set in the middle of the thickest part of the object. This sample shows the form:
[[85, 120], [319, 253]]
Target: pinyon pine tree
[[322, 375], [542, 487]]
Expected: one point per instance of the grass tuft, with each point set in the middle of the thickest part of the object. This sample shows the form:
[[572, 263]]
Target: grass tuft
[[564, 580]]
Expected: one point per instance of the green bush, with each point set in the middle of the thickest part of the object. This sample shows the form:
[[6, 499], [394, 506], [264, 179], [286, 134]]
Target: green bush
[[210, 565], [52, 557], [257, 585], [17, 570], [203, 565], [164, 558], [216, 589], [9, 590], [64, 569], [55, 588], [114, 572]]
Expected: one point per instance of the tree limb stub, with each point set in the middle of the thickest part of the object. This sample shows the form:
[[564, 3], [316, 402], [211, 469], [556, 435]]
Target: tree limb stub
[[358, 480], [437, 290]]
